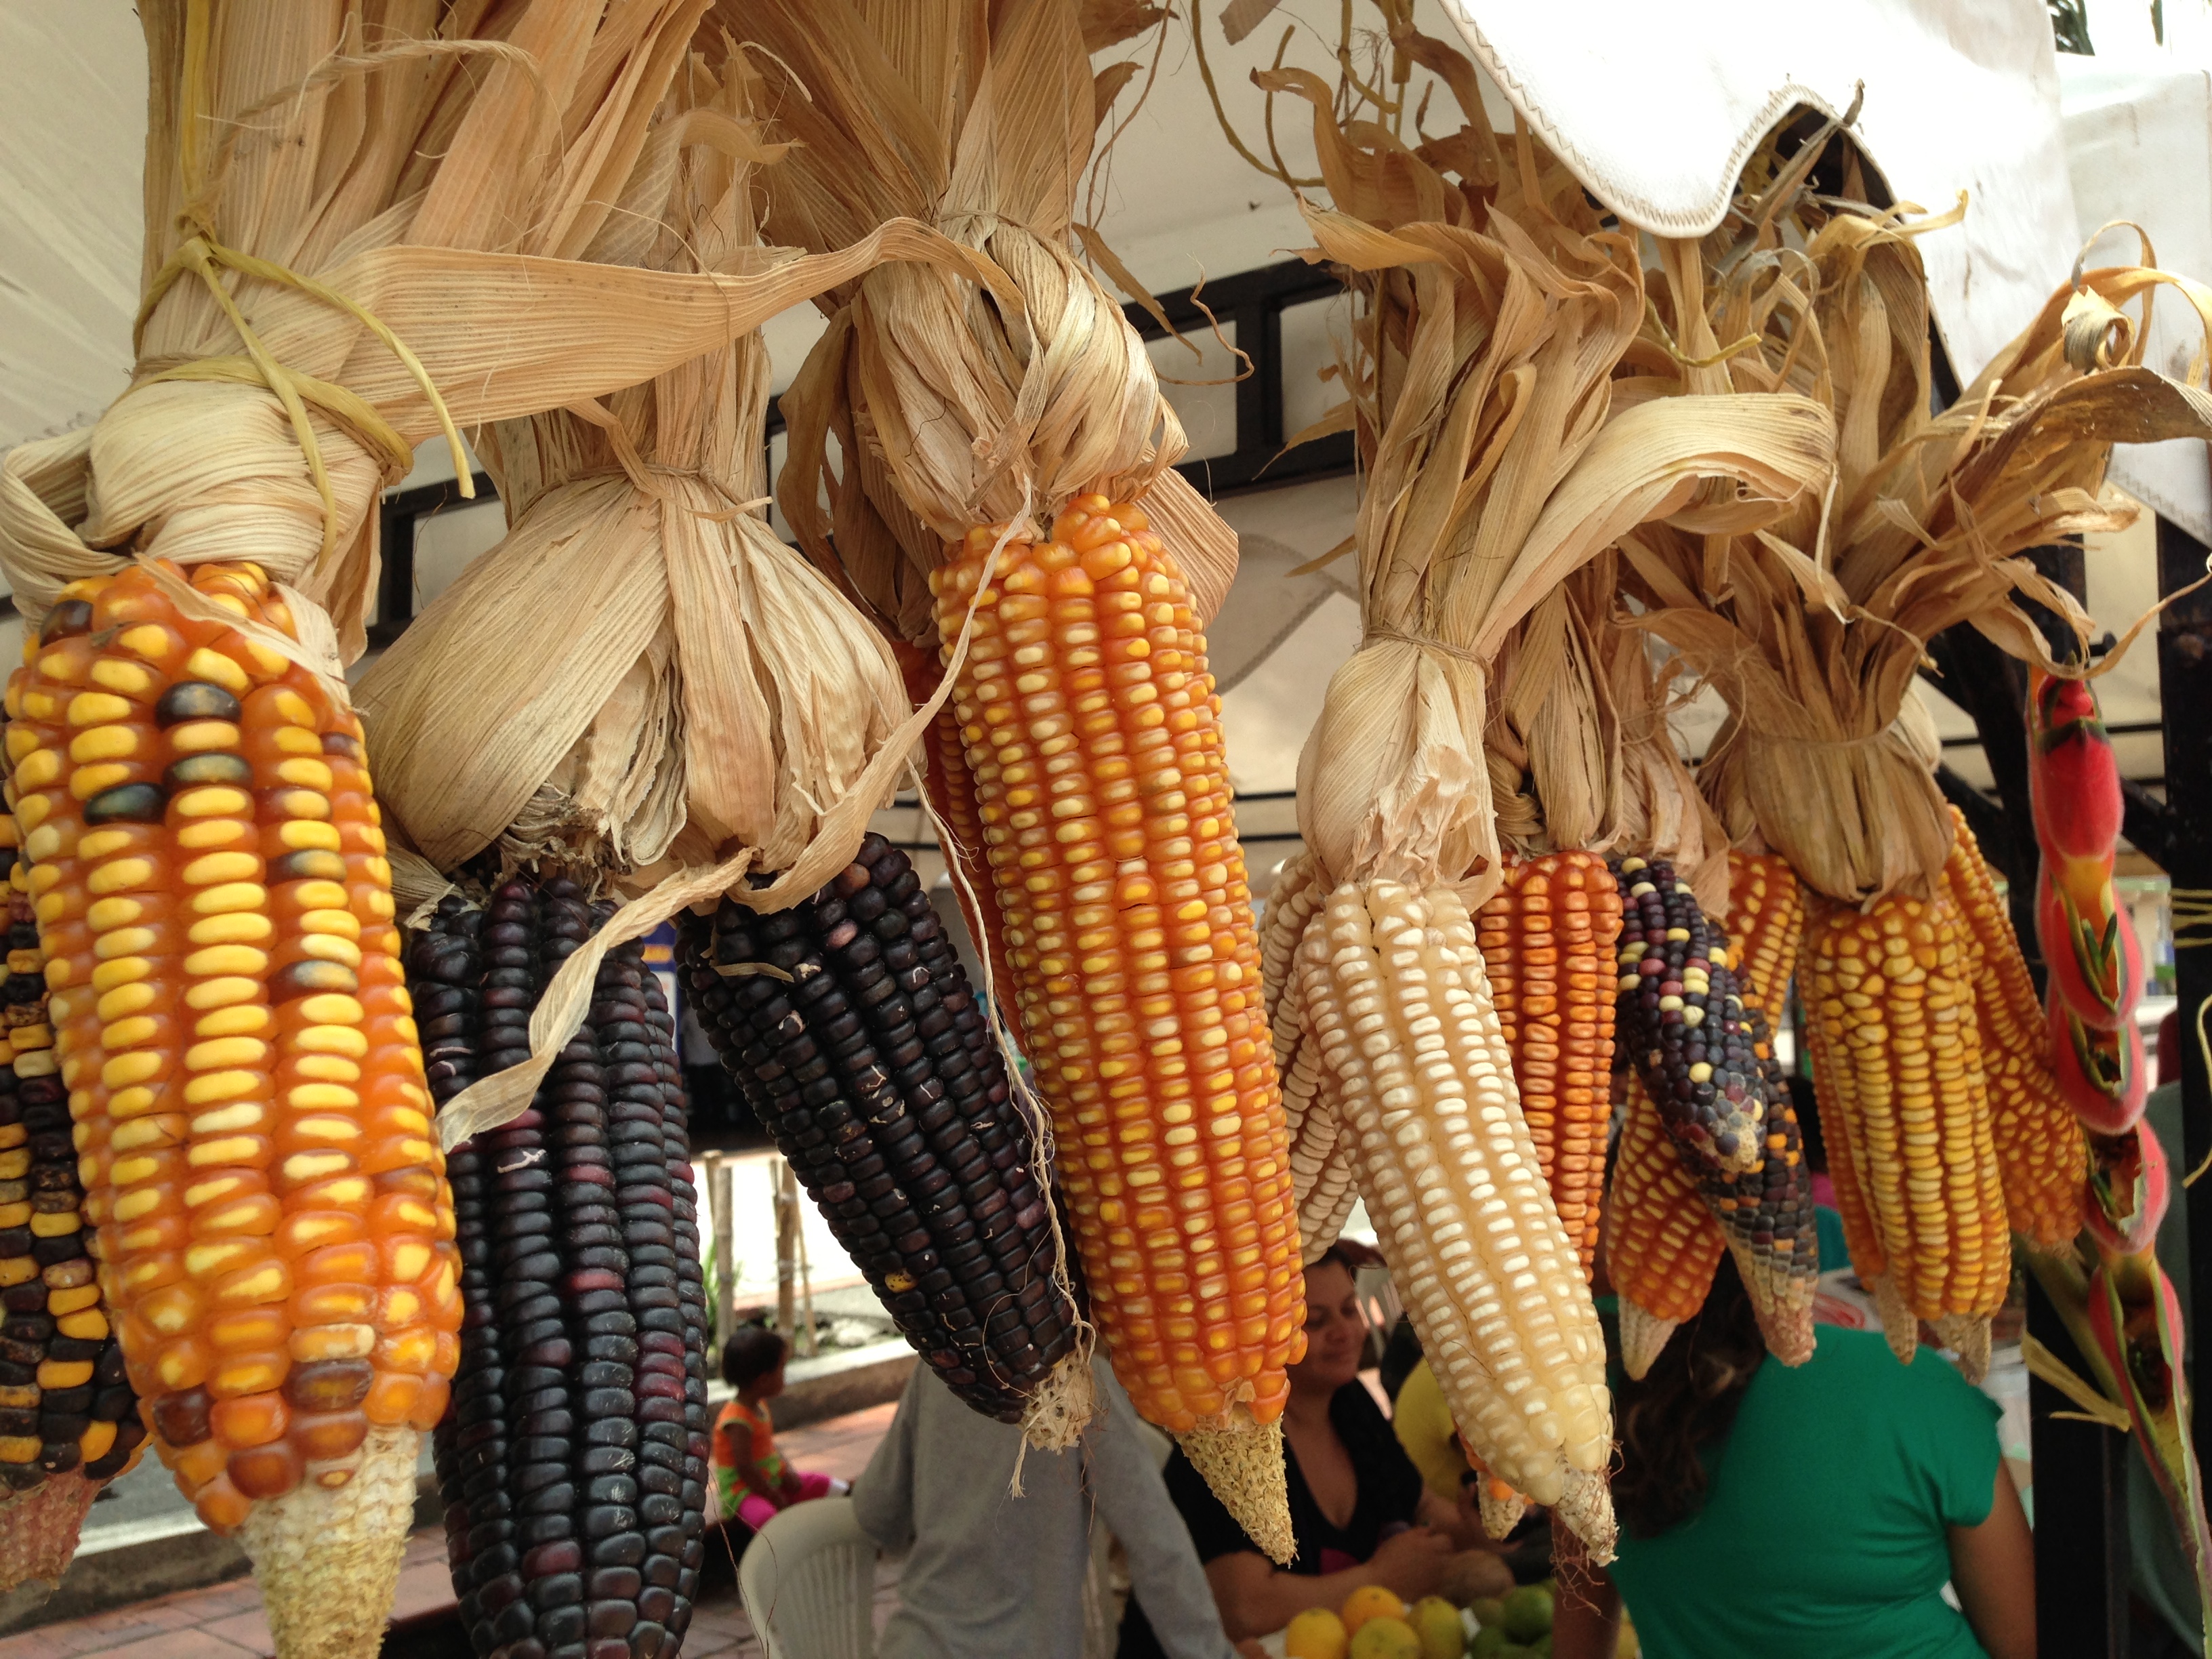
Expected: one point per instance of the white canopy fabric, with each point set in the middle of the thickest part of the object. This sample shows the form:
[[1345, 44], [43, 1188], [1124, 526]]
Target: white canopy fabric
[[1656, 109]]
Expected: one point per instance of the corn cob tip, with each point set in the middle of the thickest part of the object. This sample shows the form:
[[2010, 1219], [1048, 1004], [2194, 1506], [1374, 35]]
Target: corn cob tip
[[1899, 1322], [1966, 1335], [1783, 1303], [1242, 1465], [1500, 1515], [1586, 1506], [1643, 1337], [39, 1530], [1063, 1404], [327, 1561]]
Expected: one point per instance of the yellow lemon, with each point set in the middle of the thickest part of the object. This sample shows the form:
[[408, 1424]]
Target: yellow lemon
[[1385, 1637], [1316, 1634]]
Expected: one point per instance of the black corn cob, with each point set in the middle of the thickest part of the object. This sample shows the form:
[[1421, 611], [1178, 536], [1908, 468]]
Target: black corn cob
[[873, 1066], [67, 1408], [573, 1461], [1682, 1023]]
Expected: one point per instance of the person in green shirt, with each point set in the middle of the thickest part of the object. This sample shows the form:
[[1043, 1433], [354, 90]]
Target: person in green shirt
[[1814, 1511]]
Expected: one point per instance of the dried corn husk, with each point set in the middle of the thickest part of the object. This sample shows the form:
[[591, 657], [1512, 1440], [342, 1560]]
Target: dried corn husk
[[952, 403], [1811, 628], [640, 670]]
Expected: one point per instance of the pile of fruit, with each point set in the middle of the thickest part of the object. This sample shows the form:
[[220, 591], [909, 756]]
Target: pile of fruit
[[1375, 1624]]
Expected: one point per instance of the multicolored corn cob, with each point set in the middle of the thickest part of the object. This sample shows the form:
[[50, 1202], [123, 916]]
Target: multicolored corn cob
[[1547, 936], [1094, 737], [1681, 1020], [574, 1461], [859, 1044]]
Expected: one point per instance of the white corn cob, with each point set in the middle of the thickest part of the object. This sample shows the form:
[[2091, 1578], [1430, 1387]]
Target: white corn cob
[[1397, 998], [1321, 1153]]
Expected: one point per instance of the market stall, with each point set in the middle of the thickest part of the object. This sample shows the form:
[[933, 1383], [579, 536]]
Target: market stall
[[939, 768]]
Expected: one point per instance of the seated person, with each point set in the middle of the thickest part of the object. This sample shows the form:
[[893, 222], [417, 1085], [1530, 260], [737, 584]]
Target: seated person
[[752, 1480], [1358, 1510]]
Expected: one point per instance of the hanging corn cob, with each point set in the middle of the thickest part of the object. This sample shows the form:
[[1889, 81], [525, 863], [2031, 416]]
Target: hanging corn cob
[[230, 1018], [1094, 739], [1893, 990], [1661, 1243], [1690, 1031], [2039, 1146], [874, 1066], [1321, 1152], [1766, 912], [1548, 938], [573, 1465], [69, 1419], [1397, 996]]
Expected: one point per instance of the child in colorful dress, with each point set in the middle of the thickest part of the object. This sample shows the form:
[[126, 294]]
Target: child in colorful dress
[[751, 1481]]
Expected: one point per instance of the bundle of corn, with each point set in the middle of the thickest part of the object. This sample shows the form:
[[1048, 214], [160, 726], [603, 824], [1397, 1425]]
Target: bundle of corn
[[1548, 938], [1006, 497], [1661, 1243], [575, 1462], [1705, 1053], [1812, 633], [863, 1050], [1496, 311], [69, 1419], [231, 1021], [2041, 1152]]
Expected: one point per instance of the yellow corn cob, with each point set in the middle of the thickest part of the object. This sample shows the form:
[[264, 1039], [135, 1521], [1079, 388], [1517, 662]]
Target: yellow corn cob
[[2042, 1153], [1766, 914], [1397, 997], [1661, 1243], [1893, 990], [231, 1021], [1094, 738], [1548, 938]]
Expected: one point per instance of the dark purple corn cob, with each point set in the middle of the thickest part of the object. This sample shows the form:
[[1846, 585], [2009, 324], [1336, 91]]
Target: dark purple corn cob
[[873, 1066], [573, 1461]]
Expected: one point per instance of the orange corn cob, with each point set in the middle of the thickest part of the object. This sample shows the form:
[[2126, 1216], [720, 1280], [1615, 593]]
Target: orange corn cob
[[1548, 938], [1893, 990], [2042, 1154], [1661, 1243], [1766, 913], [1094, 738], [234, 1026]]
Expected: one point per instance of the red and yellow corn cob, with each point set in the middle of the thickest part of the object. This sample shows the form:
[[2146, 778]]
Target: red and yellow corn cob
[[234, 1026], [1661, 1243], [2042, 1155], [1548, 938], [1899, 1062], [1094, 738]]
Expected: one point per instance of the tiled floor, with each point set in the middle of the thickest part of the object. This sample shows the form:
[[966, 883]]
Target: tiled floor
[[225, 1621]]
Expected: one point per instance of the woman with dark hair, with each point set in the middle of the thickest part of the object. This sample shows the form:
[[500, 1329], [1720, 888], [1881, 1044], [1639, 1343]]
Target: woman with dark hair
[[1815, 1511], [1358, 1511]]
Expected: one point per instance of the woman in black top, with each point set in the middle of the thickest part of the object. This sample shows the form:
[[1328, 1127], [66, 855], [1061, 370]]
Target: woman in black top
[[1358, 1510]]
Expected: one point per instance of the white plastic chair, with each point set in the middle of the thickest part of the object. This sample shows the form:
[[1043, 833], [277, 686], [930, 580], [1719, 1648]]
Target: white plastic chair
[[809, 1583]]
